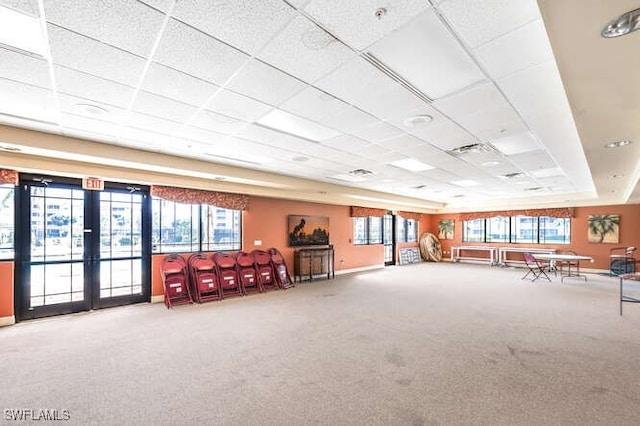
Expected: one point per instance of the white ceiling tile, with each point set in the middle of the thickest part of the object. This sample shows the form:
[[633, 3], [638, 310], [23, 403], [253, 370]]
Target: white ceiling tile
[[446, 136], [305, 50], [145, 139], [162, 5], [217, 122], [533, 160], [173, 84], [24, 68], [402, 142], [354, 82], [355, 21], [285, 122], [88, 124], [246, 25], [480, 21], [519, 49], [188, 50], [490, 119], [425, 53], [92, 88], [77, 52], [89, 136], [348, 119], [162, 107], [397, 103], [200, 135], [265, 83], [91, 109], [149, 122], [410, 119], [516, 144], [129, 25], [27, 101], [470, 101], [238, 106], [347, 143], [378, 132], [25, 6]]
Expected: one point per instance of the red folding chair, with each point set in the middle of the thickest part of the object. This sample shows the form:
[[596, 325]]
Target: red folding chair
[[227, 274], [175, 280], [266, 276], [204, 279], [247, 273], [535, 268], [280, 268]]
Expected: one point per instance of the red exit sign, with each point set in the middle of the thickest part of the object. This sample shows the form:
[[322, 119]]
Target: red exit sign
[[93, 184]]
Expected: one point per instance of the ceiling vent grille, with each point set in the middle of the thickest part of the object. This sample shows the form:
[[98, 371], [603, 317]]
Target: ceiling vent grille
[[361, 172], [472, 148], [396, 77]]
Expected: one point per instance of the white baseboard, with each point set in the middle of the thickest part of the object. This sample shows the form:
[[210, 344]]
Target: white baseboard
[[7, 321], [157, 299], [361, 269]]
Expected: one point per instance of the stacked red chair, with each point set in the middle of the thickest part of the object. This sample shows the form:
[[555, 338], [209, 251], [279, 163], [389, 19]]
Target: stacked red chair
[[264, 267], [247, 273], [280, 268], [227, 275], [175, 279], [205, 285]]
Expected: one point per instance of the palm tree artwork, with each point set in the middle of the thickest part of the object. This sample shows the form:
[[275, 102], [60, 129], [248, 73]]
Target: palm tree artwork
[[603, 228], [445, 229]]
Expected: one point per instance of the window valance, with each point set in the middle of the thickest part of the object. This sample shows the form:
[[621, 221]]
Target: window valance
[[366, 212], [224, 200], [8, 176], [411, 215], [551, 212]]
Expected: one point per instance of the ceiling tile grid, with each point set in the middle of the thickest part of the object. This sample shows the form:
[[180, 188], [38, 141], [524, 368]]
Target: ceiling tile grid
[[29, 7], [24, 69], [183, 87]]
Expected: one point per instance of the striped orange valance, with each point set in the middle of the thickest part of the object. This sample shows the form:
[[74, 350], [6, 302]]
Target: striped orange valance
[[411, 215], [223, 200], [8, 176], [366, 212], [551, 212]]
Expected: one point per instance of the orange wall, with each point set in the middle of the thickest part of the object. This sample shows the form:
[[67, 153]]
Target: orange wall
[[6, 289], [629, 233]]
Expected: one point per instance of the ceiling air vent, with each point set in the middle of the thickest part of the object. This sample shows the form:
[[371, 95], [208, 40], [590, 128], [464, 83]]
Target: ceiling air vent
[[361, 172], [473, 148], [534, 188], [513, 175]]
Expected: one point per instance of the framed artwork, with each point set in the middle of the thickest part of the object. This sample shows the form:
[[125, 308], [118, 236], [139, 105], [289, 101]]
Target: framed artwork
[[603, 228], [308, 230], [445, 229]]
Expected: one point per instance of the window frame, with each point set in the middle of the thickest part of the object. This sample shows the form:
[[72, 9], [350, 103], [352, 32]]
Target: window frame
[[8, 252], [514, 230], [365, 224]]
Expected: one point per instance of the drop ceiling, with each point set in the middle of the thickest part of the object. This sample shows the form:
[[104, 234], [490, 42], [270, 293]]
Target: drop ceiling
[[447, 105]]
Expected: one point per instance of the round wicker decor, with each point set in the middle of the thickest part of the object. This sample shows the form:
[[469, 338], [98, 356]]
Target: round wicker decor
[[430, 247]]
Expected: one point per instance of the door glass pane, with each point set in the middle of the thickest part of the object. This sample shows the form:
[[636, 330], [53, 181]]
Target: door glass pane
[[120, 278], [56, 283]]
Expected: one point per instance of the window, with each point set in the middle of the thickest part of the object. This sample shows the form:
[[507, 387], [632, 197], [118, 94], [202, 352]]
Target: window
[[498, 229], [367, 230], [473, 230], [7, 227], [220, 229], [406, 230], [518, 229], [179, 227]]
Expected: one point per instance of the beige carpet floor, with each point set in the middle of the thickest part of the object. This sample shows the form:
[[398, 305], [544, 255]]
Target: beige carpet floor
[[449, 344]]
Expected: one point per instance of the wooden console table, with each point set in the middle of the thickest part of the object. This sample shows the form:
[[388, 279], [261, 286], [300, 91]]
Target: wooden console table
[[312, 262]]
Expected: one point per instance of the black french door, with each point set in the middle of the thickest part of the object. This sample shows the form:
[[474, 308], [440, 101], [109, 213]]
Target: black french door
[[388, 239], [79, 250]]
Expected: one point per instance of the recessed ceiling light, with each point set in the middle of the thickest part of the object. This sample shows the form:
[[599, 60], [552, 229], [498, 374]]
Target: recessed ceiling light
[[21, 33], [617, 144], [417, 120], [624, 24], [490, 163], [380, 12], [615, 175], [411, 164], [90, 109], [292, 124]]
